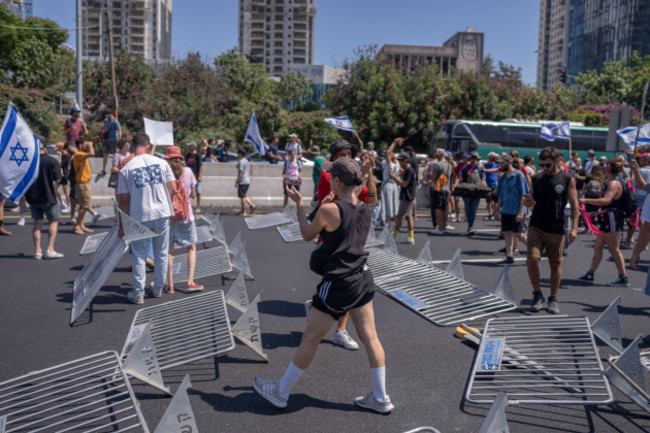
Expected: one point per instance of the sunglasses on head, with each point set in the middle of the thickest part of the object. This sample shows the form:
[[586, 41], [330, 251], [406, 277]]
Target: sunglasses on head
[[546, 165]]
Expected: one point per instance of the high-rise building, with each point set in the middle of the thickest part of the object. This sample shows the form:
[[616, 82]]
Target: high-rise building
[[462, 52], [139, 26], [22, 8], [581, 35], [277, 34]]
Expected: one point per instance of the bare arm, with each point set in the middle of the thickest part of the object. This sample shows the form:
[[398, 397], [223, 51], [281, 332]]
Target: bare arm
[[371, 198], [573, 202], [193, 192], [640, 181], [124, 203], [323, 219], [613, 188]]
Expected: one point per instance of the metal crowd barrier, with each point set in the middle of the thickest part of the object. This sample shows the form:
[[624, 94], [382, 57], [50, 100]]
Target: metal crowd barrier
[[186, 330], [543, 360], [209, 262], [290, 232], [105, 212], [88, 394], [287, 216], [203, 235], [92, 243], [94, 274], [432, 293]]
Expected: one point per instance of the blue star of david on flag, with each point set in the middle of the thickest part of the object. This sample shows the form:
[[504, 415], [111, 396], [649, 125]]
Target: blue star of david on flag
[[341, 122], [19, 156], [20, 159]]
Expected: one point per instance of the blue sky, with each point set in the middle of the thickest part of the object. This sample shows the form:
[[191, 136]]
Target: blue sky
[[210, 26]]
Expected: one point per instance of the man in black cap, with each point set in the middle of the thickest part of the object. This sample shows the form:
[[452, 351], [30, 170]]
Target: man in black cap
[[343, 149]]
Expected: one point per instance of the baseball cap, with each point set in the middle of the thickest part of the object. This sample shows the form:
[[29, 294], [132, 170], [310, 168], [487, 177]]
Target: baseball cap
[[475, 154], [191, 143], [408, 149], [403, 157], [591, 152], [341, 144], [505, 157]]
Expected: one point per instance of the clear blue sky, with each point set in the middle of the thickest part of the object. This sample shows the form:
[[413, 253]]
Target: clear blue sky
[[210, 26]]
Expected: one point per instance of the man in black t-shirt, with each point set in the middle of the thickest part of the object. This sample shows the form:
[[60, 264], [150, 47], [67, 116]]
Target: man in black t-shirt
[[41, 197], [407, 185], [193, 161], [550, 190]]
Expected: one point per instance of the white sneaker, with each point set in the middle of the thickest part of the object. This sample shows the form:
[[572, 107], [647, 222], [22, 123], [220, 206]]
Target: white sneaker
[[344, 340], [370, 402], [268, 390], [97, 217], [70, 222], [65, 208], [155, 293], [449, 227], [436, 232], [134, 298], [53, 255], [21, 221]]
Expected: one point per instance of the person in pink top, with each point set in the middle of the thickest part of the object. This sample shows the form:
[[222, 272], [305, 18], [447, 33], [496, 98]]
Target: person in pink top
[[182, 232], [74, 125]]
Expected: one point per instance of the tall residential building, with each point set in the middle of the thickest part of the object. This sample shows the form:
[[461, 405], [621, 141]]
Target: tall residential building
[[581, 35], [139, 26], [277, 34], [462, 52], [22, 8]]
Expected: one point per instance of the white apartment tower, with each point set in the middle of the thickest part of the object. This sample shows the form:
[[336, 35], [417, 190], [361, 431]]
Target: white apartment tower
[[140, 26], [552, 44], [278, 34]]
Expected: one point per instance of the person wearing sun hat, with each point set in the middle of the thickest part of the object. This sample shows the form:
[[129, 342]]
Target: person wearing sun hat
[[182, 231]]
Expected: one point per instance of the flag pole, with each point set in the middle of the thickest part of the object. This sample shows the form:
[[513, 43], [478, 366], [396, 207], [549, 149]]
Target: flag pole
[[638, 129], [359, 138]]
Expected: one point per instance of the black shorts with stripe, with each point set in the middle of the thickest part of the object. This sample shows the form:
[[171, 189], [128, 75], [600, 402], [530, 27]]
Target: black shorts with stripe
[[338, 296], [611, 221]]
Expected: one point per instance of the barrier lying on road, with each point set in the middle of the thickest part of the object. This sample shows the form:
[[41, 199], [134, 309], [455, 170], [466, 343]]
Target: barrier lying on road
[[203, 235], [88, 394], [186, 330], [290, 232], [179, 416], [103, 212], [209, 262], [543, 360], [626, 374], [434, 294], [92, 243], [288, 215], [608, 328], [95, 272]]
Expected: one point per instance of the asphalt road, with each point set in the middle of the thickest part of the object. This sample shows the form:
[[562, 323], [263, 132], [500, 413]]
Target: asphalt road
[[427, 367]]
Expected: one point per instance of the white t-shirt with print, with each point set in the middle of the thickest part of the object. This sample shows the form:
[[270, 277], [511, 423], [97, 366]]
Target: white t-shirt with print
[[145, 178]]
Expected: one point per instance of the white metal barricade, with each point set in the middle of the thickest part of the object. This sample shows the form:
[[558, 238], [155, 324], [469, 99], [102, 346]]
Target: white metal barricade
[[290, 232], [92, 243], [203, 235], [543, 360], [209, 262], [186, 330], [432, 293], [87, 394]]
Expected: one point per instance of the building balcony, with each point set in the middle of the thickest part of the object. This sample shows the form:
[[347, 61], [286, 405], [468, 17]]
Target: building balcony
[[300, 35]]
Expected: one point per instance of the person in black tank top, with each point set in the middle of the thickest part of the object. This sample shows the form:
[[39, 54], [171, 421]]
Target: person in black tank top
[[550, 190], [347, 285], [612, 222]]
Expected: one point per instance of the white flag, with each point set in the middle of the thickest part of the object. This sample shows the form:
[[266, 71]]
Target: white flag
[[19, 156], [160, 133], [551, 131], [253, 136], [341, 123], [629, 135]]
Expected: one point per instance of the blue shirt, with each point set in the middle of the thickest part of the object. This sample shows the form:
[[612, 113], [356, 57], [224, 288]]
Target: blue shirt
[[491, 178], [111, 126], [510, 190], [275, 151]]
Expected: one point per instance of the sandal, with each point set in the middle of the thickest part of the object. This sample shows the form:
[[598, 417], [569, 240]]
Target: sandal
[[87, 230], [79, 232], [169, 289]]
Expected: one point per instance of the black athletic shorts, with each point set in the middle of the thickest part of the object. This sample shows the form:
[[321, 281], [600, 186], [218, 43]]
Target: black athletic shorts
[[439, 200], [509, 224], [611, 221], [337, 297], [242, 190]]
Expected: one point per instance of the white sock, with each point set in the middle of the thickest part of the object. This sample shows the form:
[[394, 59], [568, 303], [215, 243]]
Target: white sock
[[289, 379], [379, 383]]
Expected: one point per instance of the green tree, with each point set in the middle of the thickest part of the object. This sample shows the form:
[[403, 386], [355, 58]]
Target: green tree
[[294, 88]]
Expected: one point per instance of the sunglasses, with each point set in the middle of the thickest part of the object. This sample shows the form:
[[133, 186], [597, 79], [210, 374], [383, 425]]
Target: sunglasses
[[546, 165]]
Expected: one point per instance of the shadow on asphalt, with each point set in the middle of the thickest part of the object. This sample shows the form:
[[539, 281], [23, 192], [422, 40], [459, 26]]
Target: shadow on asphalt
[[249, 401], [281, 308]]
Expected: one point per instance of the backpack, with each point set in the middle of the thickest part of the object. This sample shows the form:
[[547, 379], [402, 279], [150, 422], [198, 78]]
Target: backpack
[[180, 203], [594, 189], [627, 203], [474, 175]]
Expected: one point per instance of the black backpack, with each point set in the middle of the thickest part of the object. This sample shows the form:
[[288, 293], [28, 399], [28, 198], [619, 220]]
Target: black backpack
[[627, 204]]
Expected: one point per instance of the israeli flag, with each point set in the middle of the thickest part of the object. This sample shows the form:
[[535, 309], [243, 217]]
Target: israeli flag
[[19, 156], [629, 135], [253, 136], [341, 123], [551, 131]]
